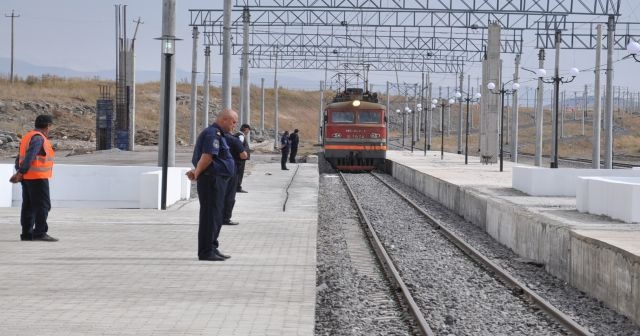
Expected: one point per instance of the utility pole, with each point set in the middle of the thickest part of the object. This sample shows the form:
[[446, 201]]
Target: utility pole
[[13, 17]]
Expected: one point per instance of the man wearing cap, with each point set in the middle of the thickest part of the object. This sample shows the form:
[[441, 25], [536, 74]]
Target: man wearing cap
[[34, 166]]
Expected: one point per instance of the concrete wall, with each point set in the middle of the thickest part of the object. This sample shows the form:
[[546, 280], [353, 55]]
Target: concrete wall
[[603, 271], [616, 197], [94, 186], [538, 181], [610, 275]]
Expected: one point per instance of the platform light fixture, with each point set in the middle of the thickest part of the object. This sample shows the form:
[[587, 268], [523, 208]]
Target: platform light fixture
[[556, 80], [467, 99], [502, 92], [634, 50]]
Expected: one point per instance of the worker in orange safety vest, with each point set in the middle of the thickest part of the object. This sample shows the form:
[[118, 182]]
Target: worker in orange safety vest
[[34, 168]]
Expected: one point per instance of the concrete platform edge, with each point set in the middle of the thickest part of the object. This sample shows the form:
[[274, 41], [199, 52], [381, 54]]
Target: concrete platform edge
[[583, 262]]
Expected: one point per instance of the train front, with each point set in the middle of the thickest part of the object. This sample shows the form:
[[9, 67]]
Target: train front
[[355, 135]]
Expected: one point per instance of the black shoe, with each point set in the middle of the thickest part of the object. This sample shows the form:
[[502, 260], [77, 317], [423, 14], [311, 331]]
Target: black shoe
[[230, 223], [285, 168], [212, 257], [220, 254], [242, 191], [45, 237], [26, 237]]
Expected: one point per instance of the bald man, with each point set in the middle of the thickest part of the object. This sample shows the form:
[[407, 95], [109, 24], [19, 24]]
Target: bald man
[[214, 168]]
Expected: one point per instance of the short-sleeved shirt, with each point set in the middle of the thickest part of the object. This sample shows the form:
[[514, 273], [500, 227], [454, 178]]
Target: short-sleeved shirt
[[236, 146], [212, 141]]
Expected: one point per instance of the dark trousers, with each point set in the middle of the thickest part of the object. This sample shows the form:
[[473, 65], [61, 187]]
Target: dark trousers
[[35, 207], [283, 161], [292, 156], [230, 199], [240, 173], [211, 194]]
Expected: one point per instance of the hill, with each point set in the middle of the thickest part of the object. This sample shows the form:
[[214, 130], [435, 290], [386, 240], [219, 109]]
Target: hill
[[73, 103]]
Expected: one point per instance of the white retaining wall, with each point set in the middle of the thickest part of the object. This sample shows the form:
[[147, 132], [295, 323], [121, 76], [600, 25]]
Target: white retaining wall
[[89, 186], [538, 181], [616, 197]]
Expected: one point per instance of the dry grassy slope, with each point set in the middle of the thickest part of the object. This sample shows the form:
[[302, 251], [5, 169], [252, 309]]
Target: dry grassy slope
[[298, 109]]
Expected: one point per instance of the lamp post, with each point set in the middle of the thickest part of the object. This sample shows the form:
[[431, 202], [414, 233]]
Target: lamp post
[[168, 49], [634, 49], [468, 99], [443, 103], [514, 87], [418, 112], [398, 113], [556, 80]]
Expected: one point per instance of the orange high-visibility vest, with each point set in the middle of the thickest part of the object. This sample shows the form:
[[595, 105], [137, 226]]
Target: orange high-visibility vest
[[42, 166]]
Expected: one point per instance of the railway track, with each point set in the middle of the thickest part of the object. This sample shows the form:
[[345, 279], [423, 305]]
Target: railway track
[[515, 292]]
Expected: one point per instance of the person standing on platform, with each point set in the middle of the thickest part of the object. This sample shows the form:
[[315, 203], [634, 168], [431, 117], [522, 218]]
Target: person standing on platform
[[294, 145], [239, 155], [214, 168], [34, 168], [245, 129], [285, 145]]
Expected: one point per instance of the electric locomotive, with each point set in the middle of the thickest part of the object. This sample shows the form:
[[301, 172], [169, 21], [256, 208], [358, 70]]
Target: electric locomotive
[[355, 131]]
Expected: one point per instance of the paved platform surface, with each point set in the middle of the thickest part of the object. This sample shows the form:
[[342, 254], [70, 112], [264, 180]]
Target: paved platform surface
[[135, 272]]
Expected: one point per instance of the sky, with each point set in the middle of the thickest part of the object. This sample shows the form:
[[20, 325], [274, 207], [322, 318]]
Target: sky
[[80, 35]]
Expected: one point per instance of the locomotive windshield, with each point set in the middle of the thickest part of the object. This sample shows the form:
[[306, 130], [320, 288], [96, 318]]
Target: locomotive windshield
[[342, 117], [369, 117]]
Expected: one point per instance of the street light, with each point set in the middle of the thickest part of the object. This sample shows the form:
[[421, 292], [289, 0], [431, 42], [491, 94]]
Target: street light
[[442, 102], [514, 87], [556, 80], [468, 99], [418, 112], [634, 49], [168, 49], [404, 123]]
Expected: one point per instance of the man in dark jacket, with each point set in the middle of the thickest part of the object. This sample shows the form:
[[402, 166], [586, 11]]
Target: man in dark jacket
[[294, 139], [243, 135], [285, 145], [239, 155]]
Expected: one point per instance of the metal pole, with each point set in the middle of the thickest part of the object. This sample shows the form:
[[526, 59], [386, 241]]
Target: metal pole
[[514, 114], [321, 112], [584, 111], [165, 127], [226, 56], [501, 125], [169, 30], [388, 116], [194, 87], [246, 87], [556, 83], [608, 119], [442, 130], [539, 112], [466, 132], [430, 112], [262, 108], [459, 139], [205, 101], [13, 16]]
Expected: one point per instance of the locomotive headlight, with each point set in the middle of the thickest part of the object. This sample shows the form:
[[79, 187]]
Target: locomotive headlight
[[336, 135], [356, 103], [374, 135]]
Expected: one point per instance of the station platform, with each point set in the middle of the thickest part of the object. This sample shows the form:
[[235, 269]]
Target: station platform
[[595, 254], [136, 272]]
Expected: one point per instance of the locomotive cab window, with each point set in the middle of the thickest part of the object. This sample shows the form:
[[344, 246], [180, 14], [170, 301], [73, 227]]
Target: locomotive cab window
[[342, 117], [369, 117]]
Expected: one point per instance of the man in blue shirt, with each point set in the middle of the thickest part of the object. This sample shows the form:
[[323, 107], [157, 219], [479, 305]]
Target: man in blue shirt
[[214, 168], [239, 155]]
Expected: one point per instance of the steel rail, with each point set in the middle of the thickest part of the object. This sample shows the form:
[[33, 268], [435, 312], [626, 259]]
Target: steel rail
[[547, 307], [392, 273]]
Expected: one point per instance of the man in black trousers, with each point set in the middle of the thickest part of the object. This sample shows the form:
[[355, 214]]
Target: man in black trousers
[[284, 148], [243, 135], [294, 139], [34, 166]]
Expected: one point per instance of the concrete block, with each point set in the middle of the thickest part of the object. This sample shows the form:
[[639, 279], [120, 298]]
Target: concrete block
[[6, 187], [616, 197]]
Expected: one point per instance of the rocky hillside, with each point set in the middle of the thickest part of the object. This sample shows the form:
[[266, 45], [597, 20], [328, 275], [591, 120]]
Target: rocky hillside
[[72, 102]]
